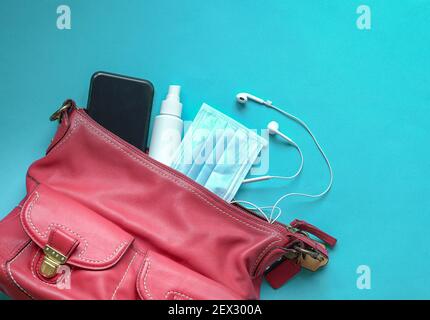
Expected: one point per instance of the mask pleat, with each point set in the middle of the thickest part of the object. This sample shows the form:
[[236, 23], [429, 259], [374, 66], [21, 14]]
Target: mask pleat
[[217, 152]]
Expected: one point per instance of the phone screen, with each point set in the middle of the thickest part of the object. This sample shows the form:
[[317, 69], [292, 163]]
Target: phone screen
[[122, 105]]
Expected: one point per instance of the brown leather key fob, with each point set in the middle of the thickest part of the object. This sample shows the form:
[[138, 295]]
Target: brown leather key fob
[[311, 263]]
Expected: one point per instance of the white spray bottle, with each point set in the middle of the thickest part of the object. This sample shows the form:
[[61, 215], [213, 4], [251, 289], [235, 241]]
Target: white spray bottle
[[168, 126]]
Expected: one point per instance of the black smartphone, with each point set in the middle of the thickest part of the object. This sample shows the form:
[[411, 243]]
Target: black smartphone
[[122, 105]]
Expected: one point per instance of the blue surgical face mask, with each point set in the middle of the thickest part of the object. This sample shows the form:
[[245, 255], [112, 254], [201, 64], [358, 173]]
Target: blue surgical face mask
[[217, 152]]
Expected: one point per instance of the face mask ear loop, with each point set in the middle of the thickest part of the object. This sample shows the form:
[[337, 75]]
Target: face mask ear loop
[[305, 126]]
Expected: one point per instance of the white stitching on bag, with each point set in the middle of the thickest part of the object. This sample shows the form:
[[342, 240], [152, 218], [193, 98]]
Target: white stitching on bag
[[144, 278], [50, 227], [45, 234], [123, 277], [10, 271], [260, 256], [179, 182], [176, 293], [65, 137], [21, 242], [148, 294], [170, 176], [107, 139]]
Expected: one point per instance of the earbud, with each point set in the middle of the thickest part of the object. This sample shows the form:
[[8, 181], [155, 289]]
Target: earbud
[[243, 97], [273, 128]]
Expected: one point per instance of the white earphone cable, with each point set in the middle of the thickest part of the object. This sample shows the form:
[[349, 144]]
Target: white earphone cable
[[299, 194], [295, 175], [258, 209], [305, 126]]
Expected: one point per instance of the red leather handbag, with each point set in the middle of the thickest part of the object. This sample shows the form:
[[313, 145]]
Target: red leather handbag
[[102, 220]]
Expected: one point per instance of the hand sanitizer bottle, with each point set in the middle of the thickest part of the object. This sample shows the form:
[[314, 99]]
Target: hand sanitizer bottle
[[168, 126]]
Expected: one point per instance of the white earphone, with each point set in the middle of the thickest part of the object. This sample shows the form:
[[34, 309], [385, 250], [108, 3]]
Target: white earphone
[[273, 127], [243, 98]]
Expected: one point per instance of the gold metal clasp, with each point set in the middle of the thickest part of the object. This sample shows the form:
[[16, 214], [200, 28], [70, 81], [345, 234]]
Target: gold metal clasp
[[51, 261]]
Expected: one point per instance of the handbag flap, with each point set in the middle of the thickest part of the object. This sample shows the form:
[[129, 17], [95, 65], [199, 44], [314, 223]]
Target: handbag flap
[[101, 242]]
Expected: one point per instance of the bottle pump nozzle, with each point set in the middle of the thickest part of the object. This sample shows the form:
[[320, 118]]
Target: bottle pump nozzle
[[172, 104]]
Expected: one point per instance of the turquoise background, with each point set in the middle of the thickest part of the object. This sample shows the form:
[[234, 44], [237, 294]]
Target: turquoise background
[[365, 93]]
